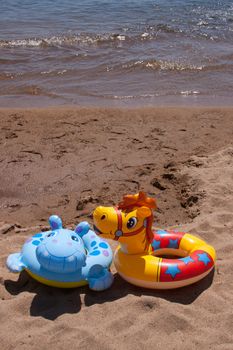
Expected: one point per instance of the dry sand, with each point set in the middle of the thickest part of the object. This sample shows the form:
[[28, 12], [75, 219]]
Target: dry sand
[[67, 161]]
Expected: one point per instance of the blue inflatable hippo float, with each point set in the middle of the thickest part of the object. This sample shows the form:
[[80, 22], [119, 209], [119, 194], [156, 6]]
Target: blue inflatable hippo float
[[65, 258]]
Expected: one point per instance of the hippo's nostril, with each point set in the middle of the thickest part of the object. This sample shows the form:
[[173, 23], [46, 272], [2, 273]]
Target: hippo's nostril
[[103, 217], [51, 234]]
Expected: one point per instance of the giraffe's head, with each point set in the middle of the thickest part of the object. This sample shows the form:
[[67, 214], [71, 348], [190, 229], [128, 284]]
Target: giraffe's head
[[131, 219]]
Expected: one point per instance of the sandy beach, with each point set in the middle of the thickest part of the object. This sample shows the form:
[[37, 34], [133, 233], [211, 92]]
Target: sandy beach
[[69, 160]]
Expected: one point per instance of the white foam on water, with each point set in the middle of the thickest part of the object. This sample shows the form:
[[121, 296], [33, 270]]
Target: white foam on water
[[190, 92]]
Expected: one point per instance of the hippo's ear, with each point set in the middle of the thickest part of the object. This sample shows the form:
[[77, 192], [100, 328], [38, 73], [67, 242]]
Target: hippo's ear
[[55, 222], [82, 228]]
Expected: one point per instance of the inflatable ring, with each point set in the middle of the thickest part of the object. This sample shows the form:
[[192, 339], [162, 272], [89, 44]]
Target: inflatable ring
[[143, 255], [196, 260], [65, 258]]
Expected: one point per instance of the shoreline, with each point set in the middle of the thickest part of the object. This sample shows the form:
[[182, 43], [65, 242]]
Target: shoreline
[[182, 101], [77, 108]]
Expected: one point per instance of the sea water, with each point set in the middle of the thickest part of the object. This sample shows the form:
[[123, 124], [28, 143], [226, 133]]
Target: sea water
[[89, 52]]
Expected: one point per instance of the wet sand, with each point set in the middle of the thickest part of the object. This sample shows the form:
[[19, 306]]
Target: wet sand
[[66, 161]]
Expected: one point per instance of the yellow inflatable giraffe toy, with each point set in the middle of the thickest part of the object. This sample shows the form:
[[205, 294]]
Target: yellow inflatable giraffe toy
[[138, 258]]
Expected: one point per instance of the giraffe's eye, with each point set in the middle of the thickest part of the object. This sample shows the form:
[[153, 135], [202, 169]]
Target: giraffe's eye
[[75, 238], [132, 222]]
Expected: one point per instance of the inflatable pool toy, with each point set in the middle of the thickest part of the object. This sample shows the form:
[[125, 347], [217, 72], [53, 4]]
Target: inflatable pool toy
[[161, 259], [140, 257], [65, 258]]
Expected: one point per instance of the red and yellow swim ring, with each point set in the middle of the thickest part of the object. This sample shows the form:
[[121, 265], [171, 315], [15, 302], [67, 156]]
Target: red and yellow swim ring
[[196, 260]]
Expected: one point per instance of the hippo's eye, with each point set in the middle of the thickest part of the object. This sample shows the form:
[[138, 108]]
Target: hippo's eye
[[51, 234], [75, 238], [103, 217], [132, 222]]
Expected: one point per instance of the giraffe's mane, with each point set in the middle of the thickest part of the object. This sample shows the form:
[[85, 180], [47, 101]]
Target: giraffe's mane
[[140, 199]]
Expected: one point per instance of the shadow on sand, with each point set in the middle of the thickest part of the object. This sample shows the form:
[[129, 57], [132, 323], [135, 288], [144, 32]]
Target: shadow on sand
[[50, 302]]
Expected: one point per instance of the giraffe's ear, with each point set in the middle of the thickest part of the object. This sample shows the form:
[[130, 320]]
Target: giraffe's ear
[[143, 212]]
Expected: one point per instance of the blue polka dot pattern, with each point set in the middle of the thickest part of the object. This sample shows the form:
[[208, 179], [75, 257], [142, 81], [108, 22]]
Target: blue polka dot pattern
[[103, 245], [95, 252], [93, 243], [37, 235], [36, 242]]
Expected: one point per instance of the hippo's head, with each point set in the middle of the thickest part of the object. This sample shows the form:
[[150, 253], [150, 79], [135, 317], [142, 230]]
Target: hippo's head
[[62, 251]]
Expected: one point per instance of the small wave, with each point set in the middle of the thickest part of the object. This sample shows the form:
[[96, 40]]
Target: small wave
[[190, 93], [32, 90], [21, 43], [156, 95], [11, 61], [35, 74], [130, 97], [148, 32], [202, 23], [8, 76], [65, 40], [161, 65], [165, 28]]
